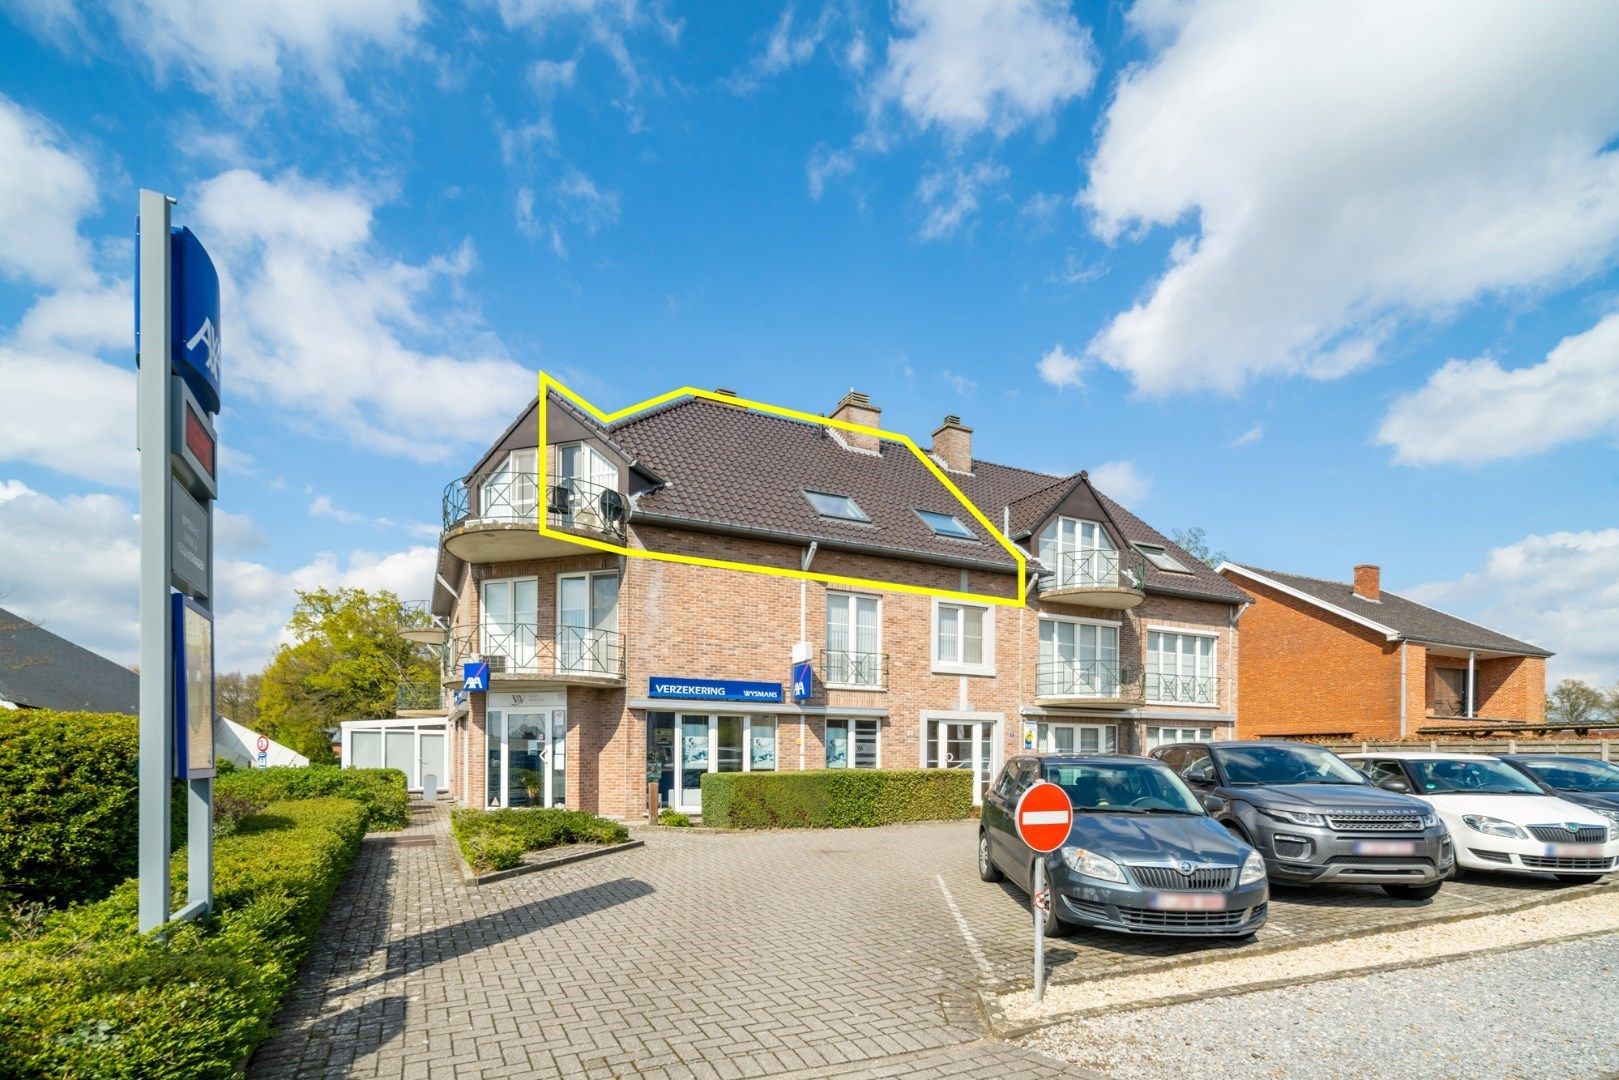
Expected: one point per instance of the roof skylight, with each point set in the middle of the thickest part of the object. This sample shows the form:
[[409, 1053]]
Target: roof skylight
[[1162, 559], [835, 506], [945, 525]]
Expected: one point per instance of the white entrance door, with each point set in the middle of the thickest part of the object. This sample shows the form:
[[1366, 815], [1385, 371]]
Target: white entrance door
[[710, 744], [965, 744], [432, 761], [527, 752]]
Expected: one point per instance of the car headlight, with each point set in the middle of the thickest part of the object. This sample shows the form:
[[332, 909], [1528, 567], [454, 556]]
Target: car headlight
[[1298, 817], [1253, 869], [1090, 864], [1613, 823], [1490, 826], [1429, 819]]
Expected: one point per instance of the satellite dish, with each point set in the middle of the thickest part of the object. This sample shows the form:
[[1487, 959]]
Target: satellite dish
[[611, 504]]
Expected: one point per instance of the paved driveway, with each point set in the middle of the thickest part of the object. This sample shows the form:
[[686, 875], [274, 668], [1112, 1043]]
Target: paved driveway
[[811, 953]]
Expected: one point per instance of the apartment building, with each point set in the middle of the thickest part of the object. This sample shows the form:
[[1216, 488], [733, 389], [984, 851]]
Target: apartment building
[[1349, 659], [597, 677]]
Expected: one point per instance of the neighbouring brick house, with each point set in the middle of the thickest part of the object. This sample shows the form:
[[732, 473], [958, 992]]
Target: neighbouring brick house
[[1351, 660], [608, 671]]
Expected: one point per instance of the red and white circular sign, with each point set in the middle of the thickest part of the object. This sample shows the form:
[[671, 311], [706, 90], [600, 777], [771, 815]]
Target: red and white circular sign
[[264, 742], [1044, 816]]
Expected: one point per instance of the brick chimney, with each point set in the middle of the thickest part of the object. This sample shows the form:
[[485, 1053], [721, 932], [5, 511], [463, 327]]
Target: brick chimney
[[856, 408], [953, 445], [1368, 582]]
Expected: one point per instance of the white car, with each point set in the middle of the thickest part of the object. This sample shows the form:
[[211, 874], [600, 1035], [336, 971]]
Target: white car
[[1498, 818]]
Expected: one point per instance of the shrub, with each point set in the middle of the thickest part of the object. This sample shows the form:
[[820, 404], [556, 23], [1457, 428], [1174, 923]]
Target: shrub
[[674, 818], [835, 798], [496, 839], [381, 791], [67, 804], [88, 997]]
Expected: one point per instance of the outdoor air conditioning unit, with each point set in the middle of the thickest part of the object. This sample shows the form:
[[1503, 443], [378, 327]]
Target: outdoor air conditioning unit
[[497, 664]]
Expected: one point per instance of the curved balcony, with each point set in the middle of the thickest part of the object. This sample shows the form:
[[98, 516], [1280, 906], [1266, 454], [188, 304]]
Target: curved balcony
[[520, 654], [495, 516], [1112, 580], [1097, 684], [418, 624]]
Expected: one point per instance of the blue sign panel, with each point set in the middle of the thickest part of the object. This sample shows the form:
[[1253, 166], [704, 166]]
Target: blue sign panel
[[803, 681], [195, 318], [663, 686], [475, 675]]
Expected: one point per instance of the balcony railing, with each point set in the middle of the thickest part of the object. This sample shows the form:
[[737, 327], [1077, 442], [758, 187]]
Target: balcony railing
[[420, 696], [855, 670], [1094, 569], [1101, 680], [418, 623], [1166, 688], [507, 497], [518, 649]]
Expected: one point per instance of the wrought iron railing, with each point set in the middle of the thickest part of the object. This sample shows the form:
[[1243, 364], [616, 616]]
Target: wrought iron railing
[[520, 649], [504, 496], [1167, 688], [862, 670], [1094, 569], [420, 696], [1104, 680], [418, 615]]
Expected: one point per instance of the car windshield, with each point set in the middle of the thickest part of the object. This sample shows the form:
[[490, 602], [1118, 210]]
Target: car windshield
[[1285, 765], [1123, 787], [1571, 774], [1444, 776]]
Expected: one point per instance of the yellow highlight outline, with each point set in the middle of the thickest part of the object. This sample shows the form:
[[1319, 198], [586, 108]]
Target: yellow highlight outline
[[547, 382]]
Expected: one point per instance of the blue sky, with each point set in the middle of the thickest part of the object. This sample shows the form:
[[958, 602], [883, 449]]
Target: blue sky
[[1336, 285]]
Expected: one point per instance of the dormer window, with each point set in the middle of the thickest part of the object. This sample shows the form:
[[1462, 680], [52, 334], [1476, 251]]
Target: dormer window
[[1079, 552], [840, 507], [945, 525], [1160, 557]]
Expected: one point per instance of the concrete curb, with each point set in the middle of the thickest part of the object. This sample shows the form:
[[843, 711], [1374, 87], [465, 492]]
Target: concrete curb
[[473, 880], [1003, 1029]]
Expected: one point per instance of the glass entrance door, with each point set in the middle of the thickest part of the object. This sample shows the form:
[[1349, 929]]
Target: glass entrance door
[[718, 744], [526, 762], [694, 760], [964, 744]]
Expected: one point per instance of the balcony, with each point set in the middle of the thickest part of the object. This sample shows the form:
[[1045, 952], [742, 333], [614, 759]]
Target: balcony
[[846, 670], [417, 698], [519, 655], [1101, 684], [1165, 688], [1113, 580], [418, 624], [495, 517]]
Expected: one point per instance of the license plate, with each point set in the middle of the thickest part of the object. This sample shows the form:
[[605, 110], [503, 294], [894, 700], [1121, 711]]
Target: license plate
[[1385, 847], [1574, 851], [1181, 901]]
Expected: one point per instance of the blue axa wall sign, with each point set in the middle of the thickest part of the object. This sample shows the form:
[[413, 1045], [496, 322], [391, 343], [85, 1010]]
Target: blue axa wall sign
[[687, 689], [195, 319]]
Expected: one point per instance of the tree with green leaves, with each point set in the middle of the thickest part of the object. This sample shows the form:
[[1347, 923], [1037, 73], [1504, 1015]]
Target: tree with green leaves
[[1196, 542], [1576, 703], [237, 696], [346, 661]]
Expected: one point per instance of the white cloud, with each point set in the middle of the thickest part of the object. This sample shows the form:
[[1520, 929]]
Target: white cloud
[[826, 164], [322, 506], [1121, 481], [1556, 590], [1472, 411], [1249, 437], [968, 66], [45, 189], [73, 564], [951, 196], [1061, 368], [341, 335], [783, 51], [227, 48], [1339, 169], [961, 384], [77, 414]]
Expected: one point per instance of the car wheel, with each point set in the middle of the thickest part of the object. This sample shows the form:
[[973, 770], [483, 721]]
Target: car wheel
[[987, 870], [1413, 892], [1578, 879], [1050, 925]]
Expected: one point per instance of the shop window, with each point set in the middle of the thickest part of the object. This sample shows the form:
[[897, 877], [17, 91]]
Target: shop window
[[852, 744]]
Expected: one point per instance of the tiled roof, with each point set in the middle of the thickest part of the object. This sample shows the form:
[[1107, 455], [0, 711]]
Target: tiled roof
[[1201, 582], [44, 671], [1406, 618]]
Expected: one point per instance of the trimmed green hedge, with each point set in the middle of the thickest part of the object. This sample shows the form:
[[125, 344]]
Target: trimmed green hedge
[[835, 798], [88, 997], [68, 822], [496, 839], [381, 791]]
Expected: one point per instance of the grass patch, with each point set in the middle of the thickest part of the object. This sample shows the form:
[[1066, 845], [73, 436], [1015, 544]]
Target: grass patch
[[496, 839]]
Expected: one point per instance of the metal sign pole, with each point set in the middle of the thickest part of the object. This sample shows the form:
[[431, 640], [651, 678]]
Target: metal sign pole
[[1039, 928], [157, 650]]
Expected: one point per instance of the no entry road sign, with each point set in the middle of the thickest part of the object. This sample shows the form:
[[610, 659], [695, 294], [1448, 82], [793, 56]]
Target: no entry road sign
[[1044, 816]]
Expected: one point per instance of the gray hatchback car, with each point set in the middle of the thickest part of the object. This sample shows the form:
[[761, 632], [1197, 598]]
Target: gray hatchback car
[[1315, 819], [1143, 857]]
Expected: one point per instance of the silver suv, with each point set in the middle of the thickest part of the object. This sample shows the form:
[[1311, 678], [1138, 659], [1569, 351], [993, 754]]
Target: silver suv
[[1314, 818]]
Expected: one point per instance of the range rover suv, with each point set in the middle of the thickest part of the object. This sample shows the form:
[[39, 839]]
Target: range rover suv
[[1314, 818]]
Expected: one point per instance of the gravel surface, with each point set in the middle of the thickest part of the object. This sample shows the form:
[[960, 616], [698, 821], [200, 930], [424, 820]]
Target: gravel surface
[[1544, 1011]]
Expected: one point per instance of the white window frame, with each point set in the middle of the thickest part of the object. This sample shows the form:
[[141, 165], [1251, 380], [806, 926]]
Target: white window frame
[[1214, 663], [1116, 625], [516, 663], [881, 682], [848, 724], [520, 466], [1179, 735], [589, 577], [596, 463], [1043, 727], [1066, 571], [958, 667]]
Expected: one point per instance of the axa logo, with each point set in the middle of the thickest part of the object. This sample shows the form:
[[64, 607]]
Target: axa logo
[[208, 337]]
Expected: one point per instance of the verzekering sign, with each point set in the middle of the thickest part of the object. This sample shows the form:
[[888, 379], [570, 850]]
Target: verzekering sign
[[689, 689]]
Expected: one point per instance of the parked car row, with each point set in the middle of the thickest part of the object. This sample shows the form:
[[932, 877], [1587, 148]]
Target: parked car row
[[1187, 840]]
